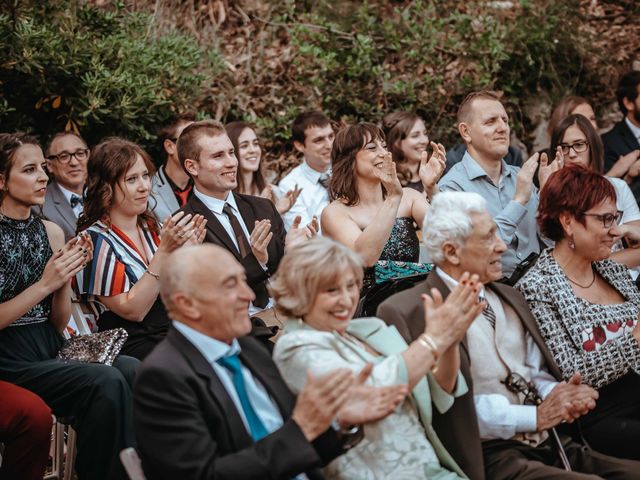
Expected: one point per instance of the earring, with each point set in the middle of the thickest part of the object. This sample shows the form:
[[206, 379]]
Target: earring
[[572, 244]]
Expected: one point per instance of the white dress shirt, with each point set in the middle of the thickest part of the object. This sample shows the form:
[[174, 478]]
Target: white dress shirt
[[497, 417], [216, 206], [634, 129], [212, 350], [313, 198], [77, 210]]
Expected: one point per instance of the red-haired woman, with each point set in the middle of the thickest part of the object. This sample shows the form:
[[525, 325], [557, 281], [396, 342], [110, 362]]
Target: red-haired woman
[[587, 305], [122, 281]]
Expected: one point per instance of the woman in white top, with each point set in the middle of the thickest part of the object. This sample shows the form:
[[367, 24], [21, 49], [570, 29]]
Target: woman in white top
[[579, 143]]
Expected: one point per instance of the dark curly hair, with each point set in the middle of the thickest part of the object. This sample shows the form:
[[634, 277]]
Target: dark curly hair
[[9, 145], [108, 163]]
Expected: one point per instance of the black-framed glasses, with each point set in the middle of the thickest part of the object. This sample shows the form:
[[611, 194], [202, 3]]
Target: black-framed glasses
[[65, 157], [607, 219], [516, 383], [578, 147]]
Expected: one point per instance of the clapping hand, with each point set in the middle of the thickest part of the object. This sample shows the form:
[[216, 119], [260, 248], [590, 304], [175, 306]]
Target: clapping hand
[[296, 235], [66, 262], [259, 240], [566, 402], [197, 231], [546, 168], [524, 179], [385, 170], [367, 404], [179, 230], [432, 168], [288, 200]]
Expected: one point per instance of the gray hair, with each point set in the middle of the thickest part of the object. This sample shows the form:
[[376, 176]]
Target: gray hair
[[449, 220]]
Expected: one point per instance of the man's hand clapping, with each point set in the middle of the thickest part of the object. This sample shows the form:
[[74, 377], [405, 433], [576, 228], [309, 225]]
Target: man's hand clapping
[[566, 402]]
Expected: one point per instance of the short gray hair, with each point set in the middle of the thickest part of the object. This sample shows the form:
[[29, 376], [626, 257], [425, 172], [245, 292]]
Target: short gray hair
[[308, 268], [449, 220]]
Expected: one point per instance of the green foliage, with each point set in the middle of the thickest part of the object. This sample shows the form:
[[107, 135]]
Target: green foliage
[[96, 71]]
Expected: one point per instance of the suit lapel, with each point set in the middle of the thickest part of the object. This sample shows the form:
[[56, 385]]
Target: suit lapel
[[238, 435], [215, 230], [628, 137], [62, 206], [246, 212]]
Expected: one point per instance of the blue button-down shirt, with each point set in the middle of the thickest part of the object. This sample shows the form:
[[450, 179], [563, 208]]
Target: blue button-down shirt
[[516, 223]]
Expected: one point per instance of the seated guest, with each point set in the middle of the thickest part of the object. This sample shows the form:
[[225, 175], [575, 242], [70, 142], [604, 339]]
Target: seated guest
[[312, 136], [574, 105], [408, 141], [511, 196], [250, 176], [586, 306], [370, 211], [121, 282], [580, 144], [249, 227], [170, 185], [209, 402], [317, 288], [67, 154], [622, 142], [502, 349], [25, 431], [35, 306]]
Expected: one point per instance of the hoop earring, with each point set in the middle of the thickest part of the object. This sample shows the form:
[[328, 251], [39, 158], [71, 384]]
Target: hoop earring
[[572, 244]]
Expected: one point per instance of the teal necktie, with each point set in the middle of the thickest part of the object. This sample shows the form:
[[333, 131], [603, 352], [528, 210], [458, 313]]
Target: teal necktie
[[232, 363]]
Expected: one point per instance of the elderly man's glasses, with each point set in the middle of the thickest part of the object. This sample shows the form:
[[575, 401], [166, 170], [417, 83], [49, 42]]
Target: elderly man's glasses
[[577, 147], [607, 219], [516, 383], [65, 157]]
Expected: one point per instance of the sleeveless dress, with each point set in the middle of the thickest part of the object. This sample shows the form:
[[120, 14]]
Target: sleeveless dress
[[95, 398], [399, 257]]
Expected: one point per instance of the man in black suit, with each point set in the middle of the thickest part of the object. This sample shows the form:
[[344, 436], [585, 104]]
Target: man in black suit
[[462, 237], [248, 226], [67, 155], [209, 401], [622, 142]]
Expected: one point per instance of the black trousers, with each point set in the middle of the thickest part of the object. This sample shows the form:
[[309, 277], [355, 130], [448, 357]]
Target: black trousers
[[613, 427], [98, 400], [510, 459]]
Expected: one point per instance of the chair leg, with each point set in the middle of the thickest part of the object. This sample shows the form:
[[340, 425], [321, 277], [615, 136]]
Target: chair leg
[[57, 452], [70, 460]]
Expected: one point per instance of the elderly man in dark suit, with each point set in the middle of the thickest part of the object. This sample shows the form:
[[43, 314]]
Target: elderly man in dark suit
[[67, 155], [209, 401], [501, 352], [249, 227]]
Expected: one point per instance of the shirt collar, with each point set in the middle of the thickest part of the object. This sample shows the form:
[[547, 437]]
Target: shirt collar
[[474, 170], [67, 193], [635, 130], [210, 348], [214, 204], [310, 173], [452, 283]]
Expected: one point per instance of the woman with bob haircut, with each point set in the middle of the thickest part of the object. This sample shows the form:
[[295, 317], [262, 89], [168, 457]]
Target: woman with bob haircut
[[407, 138], [580, 144], [370, 212], [317, 286], [36, 268], [250, 176], [586, 305], [122, 282]]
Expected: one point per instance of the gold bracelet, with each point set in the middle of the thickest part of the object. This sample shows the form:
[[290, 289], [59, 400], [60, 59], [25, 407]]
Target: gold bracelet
[[427, 341], [154, 275]]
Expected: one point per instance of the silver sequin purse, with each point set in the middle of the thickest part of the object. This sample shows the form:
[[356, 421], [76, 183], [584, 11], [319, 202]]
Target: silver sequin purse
[[101, 347]]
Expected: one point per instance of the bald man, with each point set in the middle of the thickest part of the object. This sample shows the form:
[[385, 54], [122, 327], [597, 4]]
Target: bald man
[[210, 403]]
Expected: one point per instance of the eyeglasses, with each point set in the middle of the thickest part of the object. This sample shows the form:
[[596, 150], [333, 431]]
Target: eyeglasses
[[516, 383], [577, 147], [65, 157], [606, 218]]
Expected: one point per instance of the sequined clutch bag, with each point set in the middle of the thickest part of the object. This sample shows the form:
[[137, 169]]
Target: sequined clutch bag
[[101, 347]]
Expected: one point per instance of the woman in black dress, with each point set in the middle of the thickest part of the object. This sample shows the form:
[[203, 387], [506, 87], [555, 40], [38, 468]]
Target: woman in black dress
[[35, 294]]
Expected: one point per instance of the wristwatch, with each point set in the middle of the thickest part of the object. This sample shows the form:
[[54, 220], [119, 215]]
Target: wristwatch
[[349, 436]]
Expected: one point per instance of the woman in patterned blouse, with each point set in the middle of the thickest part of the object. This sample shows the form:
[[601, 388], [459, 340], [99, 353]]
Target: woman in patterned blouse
[[587, 305], [121, 282]]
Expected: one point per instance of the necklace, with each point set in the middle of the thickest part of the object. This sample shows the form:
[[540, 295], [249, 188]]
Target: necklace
[[582, 286]]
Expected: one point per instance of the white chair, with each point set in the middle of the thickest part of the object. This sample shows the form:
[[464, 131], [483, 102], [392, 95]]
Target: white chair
[[132, 465], [61, 467]]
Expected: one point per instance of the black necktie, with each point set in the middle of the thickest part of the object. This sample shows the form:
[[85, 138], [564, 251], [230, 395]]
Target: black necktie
[[244, 248], [75, 200]]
